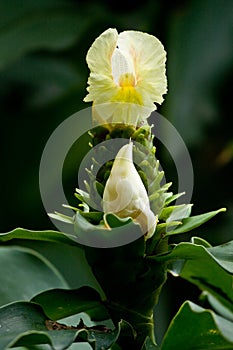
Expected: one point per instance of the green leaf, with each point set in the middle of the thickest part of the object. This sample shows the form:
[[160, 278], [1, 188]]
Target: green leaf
[[119, 231], [176, 212], [217, 306], [73, 265], [114, 221], [200, 241], [45, 236], [37, 347], [224, 254], [61, 303], [192, 222], [199, 329], [93, 216], [19, 318], [172, 197], [199, 266], [61, 217], [25, 273], [24, 324]]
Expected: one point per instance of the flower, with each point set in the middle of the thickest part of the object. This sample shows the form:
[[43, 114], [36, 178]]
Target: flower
[[125, 194], [127, 75]]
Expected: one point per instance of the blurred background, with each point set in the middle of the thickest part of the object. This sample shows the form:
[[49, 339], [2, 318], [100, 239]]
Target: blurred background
[[43, 76]]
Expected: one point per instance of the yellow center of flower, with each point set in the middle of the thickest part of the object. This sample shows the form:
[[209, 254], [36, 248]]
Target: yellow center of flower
[[127, 92], [127, 80]]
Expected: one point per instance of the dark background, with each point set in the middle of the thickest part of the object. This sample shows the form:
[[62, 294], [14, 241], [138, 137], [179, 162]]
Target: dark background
[[43, 76]]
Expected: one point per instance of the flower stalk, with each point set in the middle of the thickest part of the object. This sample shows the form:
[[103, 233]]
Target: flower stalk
[[127, 78], [132, 285]]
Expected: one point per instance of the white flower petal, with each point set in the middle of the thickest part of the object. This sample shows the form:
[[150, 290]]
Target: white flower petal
[[127, 71], [149, 58], [100, 53], [146, 50], [125, 194]]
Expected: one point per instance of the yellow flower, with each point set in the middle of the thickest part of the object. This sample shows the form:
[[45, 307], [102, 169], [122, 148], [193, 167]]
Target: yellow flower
[[127, 75], [125, 194]]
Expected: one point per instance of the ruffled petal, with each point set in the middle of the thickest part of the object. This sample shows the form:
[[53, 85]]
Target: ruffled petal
[[119, 112], [101, 85], [149, 59], [101, 88], [100, 53]]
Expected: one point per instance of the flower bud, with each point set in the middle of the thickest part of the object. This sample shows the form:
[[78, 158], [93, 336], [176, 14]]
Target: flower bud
[[125, 194]]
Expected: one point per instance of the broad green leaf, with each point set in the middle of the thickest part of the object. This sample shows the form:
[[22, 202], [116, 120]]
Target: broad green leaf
[[200, 241], [61, 303], [217, 306], [196, 328], [192, 222], [196, 264], [224, 254], [25, 273], [73, 265], [24, 324], [46, 236], [18, 318], [36, 347]]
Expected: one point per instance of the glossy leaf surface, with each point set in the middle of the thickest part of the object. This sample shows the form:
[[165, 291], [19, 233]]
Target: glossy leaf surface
[[201, 329], [24, 324], [25, 273], [193, 222], [196, 264], [46, 236], [61, 303]]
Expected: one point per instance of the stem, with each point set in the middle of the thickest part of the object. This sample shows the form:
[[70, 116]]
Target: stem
[[143, 326], [132, 285]]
